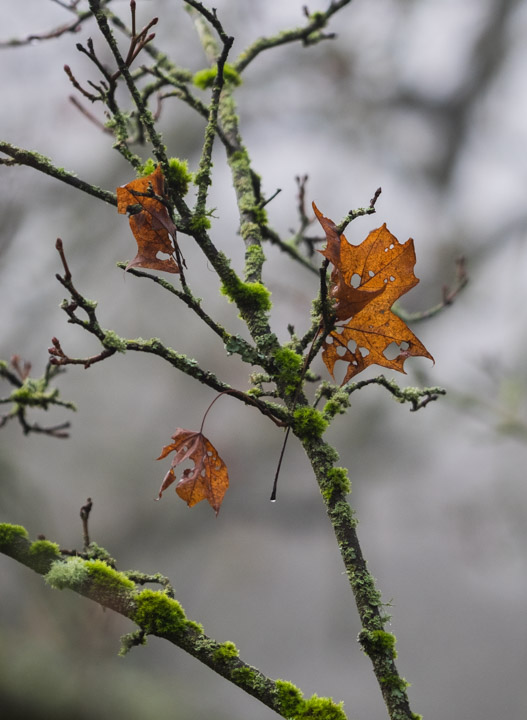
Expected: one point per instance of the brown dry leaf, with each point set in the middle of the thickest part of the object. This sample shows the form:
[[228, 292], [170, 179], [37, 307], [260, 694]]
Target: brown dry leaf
[[365, 282], [152, 227], [208, 480]]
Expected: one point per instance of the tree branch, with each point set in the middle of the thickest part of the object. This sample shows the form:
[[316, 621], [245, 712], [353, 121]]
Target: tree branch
[[30, 393], [43, 164], [156, 613], [310, 34], [378, 644]]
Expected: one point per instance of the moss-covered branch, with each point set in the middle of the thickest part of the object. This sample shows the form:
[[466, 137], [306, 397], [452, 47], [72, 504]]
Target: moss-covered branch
[[233, 343], [155, 612], [310, 34], [44, 165], [203, 176], [334, 485], [32, 393], [337, 397]]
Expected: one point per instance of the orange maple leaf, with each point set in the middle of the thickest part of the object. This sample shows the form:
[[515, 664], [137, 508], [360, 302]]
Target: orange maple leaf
[[208, 480], [152, 227], [365, 282]]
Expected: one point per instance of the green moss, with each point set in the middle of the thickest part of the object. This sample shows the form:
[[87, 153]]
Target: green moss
[[179, 176], [338, 476], [226, 651], [378, 641], [33, 393], [250, 231], [309, 423], [148, 168], [248, 193], [342, 515], [71, 573], [331, 408], [239, 160], [159, 614], [199, 223], [254, 259], [396, 684], [289, 366], [112, 341], [131, 640], [204, 79], [234, 344], [337, 404], [75, 572], [246, 204], [259, 214], [248, 296], [291, 699], [8, 533], [337, 483], [94, 552], [107, 577], [45, 549], [322, 708], [245, 676], [92, 304]]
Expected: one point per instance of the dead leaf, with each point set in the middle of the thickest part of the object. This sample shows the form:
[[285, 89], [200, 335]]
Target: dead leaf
[[365, 282], [152, 227], [208, 480]]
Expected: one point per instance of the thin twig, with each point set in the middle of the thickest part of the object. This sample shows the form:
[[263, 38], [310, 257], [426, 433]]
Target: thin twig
[[56, 431], [89, 115], [417, 397], [85, 514], [449, 295]]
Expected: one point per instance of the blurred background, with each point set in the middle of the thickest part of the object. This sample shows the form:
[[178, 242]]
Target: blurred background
[[425, 99]]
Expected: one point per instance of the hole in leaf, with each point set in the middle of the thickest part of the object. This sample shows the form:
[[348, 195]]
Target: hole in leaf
[[392, 351], [371, 273], [355, 280], [162, 255]]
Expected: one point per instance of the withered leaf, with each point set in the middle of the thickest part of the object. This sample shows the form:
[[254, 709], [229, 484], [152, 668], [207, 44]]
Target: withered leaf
[[208, 480], [152, 227], [365, 282]]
